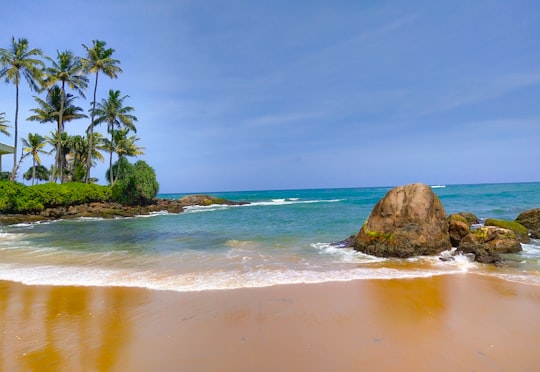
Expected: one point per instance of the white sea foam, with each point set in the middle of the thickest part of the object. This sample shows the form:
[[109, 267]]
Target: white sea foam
[[212, 280], [272, 202], [344, 254]]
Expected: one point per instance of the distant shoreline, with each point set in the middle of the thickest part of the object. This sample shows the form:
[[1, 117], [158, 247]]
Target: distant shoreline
[[111, 210]]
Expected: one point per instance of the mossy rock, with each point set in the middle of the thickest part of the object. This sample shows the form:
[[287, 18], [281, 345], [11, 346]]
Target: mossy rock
[[531, 220], [521, 231], [470, 217], [457, 218]]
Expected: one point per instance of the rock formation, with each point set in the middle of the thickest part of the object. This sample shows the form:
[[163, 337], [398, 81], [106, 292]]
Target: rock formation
[[409, 221], [489, 242], [531, 220], [458, 228], [521, 231]]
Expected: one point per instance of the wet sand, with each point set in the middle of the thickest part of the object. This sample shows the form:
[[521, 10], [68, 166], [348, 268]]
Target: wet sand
[[446, 323]]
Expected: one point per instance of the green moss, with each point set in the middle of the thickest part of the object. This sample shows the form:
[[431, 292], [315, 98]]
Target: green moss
[[377, 235], [480, 233], [458, 218], [516, 227]]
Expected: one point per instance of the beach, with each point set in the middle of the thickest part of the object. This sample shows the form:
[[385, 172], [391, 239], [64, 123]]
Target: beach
[[463, 322]]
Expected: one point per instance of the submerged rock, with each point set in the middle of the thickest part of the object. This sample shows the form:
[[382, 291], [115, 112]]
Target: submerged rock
[[531, 220], [409, 221], [489, 242]]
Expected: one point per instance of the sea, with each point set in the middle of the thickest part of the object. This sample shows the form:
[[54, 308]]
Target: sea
[[279, 237]]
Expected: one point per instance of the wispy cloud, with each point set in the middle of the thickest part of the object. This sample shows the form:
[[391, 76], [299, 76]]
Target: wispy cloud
[[281, 119], [472, 91]]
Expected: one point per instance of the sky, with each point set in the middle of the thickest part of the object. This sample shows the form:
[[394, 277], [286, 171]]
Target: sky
[[259, 95]]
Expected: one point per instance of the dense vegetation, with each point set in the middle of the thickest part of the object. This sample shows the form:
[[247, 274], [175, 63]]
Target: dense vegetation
[[61, 81], [18, 198]]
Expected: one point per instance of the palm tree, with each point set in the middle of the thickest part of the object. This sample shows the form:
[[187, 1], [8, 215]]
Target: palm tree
[[113, 112], [15, 62], [34, 146], [68, 70], [4, 124], [98, 58], [49, 109], [49, 112], [40, 173]]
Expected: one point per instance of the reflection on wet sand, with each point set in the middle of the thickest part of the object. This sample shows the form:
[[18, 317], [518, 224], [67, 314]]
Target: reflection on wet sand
[[65, 328], [443, 323]]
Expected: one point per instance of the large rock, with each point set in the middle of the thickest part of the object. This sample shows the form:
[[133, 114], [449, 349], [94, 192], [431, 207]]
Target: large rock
[[531, 220], [409, 221], [489, 242], [521, 231], [458, 228]]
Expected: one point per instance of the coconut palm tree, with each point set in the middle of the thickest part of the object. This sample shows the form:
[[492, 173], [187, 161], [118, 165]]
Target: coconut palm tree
[[67, 70], [40, 173], [16, 62], [49, 112], [98, 59], [113, 112], [49, 109], [4, 124], [34, 146]]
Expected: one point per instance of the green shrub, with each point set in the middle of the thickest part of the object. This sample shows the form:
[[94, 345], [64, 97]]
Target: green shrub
[[17, 198], [136, 185]]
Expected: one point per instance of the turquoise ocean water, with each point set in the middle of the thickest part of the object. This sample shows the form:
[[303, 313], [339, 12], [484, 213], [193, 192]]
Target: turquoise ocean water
[[281, 237]]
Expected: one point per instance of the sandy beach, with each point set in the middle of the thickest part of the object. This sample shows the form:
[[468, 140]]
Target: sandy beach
[[446, 323]]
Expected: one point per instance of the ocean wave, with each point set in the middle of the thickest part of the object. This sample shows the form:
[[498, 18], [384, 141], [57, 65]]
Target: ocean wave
[[78, 275], [264, 203]]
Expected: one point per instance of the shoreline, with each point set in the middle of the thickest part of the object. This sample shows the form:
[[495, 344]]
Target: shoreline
[[447, 322]]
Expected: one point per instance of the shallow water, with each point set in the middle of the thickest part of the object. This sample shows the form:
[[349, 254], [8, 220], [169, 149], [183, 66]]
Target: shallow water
[[281, 237]]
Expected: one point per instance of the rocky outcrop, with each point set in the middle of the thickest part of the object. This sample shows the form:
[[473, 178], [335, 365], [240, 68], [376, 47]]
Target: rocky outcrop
[[409, 221], [470, 218], [458, 228], [115, 210], [489, 242], [531, 220], [521, 231]]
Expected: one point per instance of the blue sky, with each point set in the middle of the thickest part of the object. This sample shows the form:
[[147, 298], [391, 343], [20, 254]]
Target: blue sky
[[244, 95]]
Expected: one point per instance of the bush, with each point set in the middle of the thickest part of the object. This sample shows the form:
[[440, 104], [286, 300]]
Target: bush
[[18, 198], [136, 185]]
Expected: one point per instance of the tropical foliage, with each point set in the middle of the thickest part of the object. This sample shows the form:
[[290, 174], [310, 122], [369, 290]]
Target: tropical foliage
[[4, 124], [17, 62], [136, 185], [98, 59], [18, 198], [34, 146], [61, 82]]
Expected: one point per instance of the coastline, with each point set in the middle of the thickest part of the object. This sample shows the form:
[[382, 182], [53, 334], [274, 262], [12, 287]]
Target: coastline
[[447, 322], [111, 210]]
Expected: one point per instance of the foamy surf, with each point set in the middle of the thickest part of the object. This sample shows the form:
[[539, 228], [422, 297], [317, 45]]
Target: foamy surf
[[188, 282]]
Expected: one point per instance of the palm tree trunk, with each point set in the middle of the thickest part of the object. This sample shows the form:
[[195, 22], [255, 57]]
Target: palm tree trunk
[[91, 132], [59, 139], [33, 171], [16, 139], [111, 179]]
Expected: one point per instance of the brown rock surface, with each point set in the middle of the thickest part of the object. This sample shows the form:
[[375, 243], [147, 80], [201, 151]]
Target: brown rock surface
[[489, 242], [409, 221], [531, 220]]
